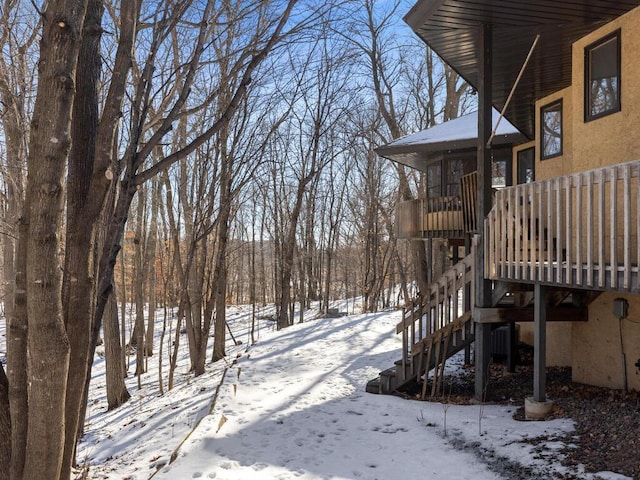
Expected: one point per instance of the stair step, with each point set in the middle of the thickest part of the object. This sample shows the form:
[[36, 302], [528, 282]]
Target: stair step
[[373, 386], [389, 372]]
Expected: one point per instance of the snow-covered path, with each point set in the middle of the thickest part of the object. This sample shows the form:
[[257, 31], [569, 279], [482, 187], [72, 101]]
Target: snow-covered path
[[294, 406]]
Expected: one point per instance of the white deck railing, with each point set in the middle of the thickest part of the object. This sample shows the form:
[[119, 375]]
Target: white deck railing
[[577, 230]]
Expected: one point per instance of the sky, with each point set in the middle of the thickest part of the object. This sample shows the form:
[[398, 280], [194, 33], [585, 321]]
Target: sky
[[293, 406]]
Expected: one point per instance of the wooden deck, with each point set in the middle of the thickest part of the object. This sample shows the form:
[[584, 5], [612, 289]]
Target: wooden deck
[[440, 217], [578, 231]]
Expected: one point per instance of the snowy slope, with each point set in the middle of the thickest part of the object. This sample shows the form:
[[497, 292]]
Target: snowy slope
[[293, 406]]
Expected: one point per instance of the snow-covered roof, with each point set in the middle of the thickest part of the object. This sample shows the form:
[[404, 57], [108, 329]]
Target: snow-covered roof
[[455, 135]]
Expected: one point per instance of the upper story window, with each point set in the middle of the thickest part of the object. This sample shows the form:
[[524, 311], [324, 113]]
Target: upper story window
[[455, 169], [443, 176], [551, 130], [526, 165], [434, 180], [602, 77], [499, 173]]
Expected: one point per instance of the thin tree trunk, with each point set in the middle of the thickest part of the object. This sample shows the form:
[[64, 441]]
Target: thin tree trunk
[[78, 282], [138, 331], [17, 359], [13, 440], [173, 357], [5, 424], [117, 392], [220, 269], [288, 250], [123, 311], [150, 267]]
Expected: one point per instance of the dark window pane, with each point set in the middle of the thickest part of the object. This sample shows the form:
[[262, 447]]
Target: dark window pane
[[602, 77], [551, 126], [499, 173], [434, 181], [455, 169], [526, 165]]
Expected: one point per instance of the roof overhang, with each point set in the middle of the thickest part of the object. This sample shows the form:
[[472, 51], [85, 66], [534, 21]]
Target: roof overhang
[[451, 29], [416, 150]]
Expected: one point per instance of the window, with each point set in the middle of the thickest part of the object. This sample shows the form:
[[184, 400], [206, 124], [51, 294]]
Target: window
[[602, 77], [499, 173], [526, 165], [551, 130], [443, 177], [454, 171], [434, 180]]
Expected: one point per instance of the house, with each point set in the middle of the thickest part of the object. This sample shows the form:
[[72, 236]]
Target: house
[[557, 252]]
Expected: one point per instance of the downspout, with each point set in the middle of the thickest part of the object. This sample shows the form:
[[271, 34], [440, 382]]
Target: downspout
[[624, 357]]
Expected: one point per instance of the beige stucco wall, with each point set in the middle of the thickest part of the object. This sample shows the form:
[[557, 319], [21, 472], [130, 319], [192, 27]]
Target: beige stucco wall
[[611, 139], [559, 335], [608, 140], [597, 349], [594, 348]]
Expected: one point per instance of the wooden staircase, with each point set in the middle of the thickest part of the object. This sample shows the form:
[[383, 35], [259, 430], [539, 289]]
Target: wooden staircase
[[434, 326], [440, 323]]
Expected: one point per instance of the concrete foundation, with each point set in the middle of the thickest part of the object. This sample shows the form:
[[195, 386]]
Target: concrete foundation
[[537, 410]]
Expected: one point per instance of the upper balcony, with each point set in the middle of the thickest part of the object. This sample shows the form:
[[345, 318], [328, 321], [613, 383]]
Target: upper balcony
[[448, 217], [578, 231], [430, 218]]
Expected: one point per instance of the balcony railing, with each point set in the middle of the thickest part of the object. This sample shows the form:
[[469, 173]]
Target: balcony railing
[[578, 230], [440, 217]]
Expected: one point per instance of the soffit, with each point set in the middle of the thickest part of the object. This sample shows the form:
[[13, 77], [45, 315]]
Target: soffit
[[451, 29]]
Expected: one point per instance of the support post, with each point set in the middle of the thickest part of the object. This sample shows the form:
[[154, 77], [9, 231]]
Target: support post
[[539, 343], [512, 350], [467, 297], [429, 260], [482, 286], [483, 359]]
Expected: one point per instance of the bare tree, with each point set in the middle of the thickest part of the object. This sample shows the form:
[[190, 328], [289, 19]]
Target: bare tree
[[17, 39], [47, 340], [63, 320], [117, 392], [307, 146]]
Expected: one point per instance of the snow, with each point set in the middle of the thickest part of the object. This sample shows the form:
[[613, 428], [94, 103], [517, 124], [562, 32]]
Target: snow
[[464, 127], [293, 406]]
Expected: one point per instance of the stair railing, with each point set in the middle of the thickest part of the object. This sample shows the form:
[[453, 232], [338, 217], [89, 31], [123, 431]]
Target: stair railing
[[447, 299]]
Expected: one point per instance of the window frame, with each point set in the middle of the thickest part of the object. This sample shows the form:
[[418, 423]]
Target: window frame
[[543, 109], [521, 173], [588, 116]]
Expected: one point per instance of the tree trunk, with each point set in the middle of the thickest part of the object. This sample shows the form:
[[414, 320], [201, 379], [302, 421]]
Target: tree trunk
[[150, 267], [287, 256], [78, 281], [117, 392], [220, 269], [5, 424], [13, 440], [138, 287], [48, 343], [17, 359]]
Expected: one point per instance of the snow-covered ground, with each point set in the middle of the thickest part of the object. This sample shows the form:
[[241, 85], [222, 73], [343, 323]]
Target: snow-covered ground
[[293, 406]]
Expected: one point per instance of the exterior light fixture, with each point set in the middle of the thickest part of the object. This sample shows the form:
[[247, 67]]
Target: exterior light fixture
[[620, 308]]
